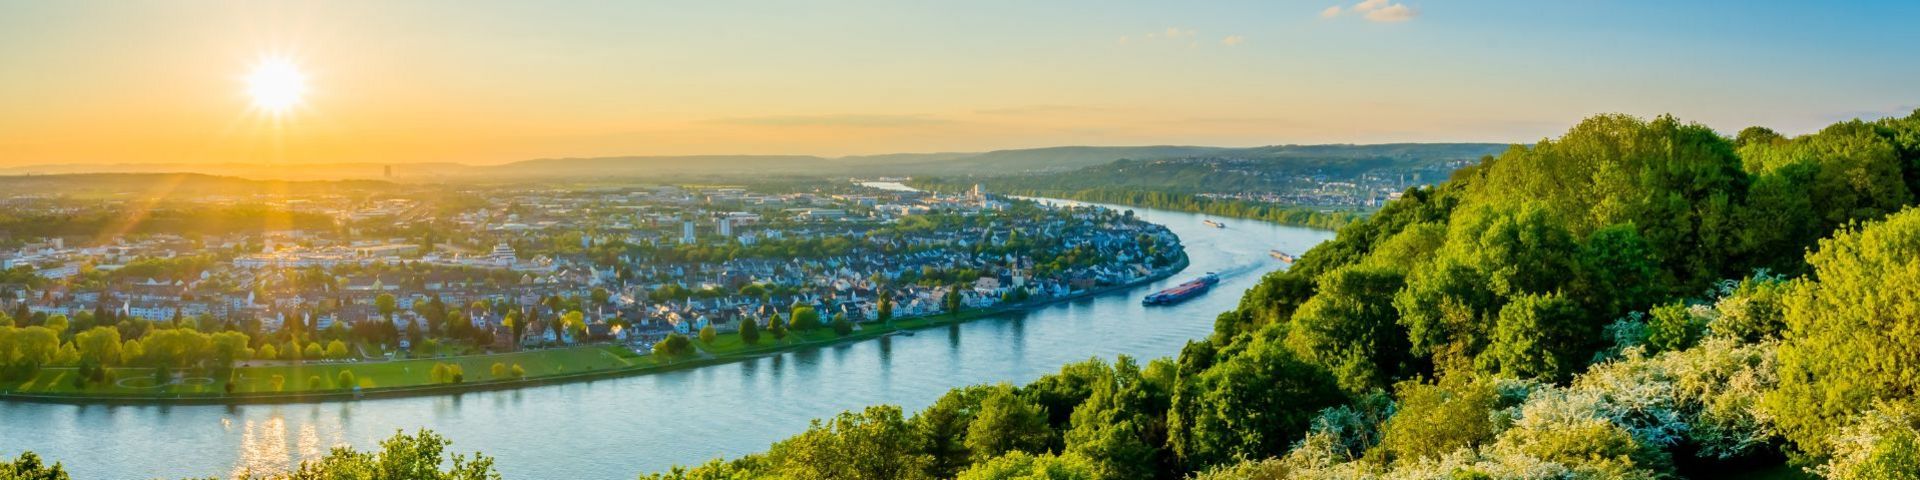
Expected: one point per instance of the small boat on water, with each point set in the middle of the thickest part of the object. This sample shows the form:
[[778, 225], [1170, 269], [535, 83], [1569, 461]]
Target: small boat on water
[[1182, 292], [1213, 224], [1283, 257]]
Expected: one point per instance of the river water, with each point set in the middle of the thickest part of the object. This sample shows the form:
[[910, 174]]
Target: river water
[[618, 428]]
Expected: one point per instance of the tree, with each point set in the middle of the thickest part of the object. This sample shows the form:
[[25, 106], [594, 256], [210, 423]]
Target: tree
[[337, 350], [673, 346], [29, 467], [1673, 327], [1847, 344], [1351, 328], [499, 370], [1121, 427], [777, 327], [100, 345], [841, 325], [708, 335], [386, 304], [750, 331], [875, 444], [941, 429], [885, 313], [347, 381], [312, 350], [805, 318], [1026, 466], [1007, 423], [1251, 404], [58, 323], [1541, 336], [1434, 419], [228, 347], [417, 456], [952, 300]]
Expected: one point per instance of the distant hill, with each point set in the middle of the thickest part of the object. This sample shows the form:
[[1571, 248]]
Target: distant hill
[[1234, 170], [998, 162], [171, 185]]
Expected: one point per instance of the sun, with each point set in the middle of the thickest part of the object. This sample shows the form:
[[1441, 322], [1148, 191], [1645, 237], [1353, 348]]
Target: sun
[[276, 85]]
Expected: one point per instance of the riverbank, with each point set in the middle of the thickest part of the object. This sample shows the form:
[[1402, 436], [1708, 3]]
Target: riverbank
[[1330, 218], [541, 367]]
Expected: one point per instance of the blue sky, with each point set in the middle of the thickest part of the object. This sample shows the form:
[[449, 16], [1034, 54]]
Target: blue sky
[[483, 82]]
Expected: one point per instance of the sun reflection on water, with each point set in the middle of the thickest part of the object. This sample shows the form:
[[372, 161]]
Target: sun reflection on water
[[267, 445]]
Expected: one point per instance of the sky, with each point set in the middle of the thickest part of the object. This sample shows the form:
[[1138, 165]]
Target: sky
[[485, 82]]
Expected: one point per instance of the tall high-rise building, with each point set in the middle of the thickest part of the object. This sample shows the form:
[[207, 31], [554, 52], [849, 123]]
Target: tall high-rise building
[[686, 232], [725, 226]]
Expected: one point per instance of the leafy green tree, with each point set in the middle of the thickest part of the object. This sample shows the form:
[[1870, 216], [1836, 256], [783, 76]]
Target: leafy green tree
[[708, 334], [1543, 336], [1007, 423], [673, 346], [29, 467], [875, 444], [100, 345], [1121, 428], [1019, 465], [750, 331], [1250, 405], [1672, 327], [1351, 328], [1848, 342], [1434, 419], [337, 350], [418, 456], [841, 325], [386, 304], [804, 319], [941, 429], [346, 380]]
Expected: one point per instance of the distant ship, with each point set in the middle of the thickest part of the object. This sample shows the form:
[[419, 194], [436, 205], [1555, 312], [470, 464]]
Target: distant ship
[[1182, 292], [1213, 224], [1281, 256]]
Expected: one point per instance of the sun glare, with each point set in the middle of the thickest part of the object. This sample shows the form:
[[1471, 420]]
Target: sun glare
[[276, 85]]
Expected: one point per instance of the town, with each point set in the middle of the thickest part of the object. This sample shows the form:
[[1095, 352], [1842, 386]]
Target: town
[[406, 274]]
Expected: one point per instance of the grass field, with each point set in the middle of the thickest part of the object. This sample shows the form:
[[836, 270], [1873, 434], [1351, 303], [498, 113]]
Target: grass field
[[298, 378]]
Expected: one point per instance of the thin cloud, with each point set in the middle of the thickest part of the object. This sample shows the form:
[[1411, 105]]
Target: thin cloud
[[1392, 13], [1233, 40], [836, 120], [1039, 110], [1375, 11]]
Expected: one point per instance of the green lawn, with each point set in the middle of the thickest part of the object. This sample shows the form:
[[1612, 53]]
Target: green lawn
[[297, 378], [324, 377]]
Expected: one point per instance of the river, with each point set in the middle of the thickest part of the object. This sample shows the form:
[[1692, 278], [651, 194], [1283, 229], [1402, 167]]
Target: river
[[618, 428]]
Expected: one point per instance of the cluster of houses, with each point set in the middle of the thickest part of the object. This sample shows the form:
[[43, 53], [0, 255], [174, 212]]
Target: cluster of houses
[[304, 276]]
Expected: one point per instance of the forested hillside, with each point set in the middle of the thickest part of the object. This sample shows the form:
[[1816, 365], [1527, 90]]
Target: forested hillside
[[1259, 169], [1634, 299]]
